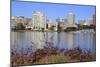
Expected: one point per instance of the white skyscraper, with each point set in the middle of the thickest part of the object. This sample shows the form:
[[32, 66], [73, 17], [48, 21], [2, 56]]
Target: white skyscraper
[[39, 21], [70, 19]]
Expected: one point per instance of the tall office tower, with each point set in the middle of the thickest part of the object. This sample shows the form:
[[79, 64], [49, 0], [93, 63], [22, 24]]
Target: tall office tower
[[39, 21], [28, 24], [70, 20], [81, 21], [94, 19]]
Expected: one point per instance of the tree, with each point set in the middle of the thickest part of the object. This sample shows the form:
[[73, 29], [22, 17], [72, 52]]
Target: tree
[[70, 29], [20, 26]]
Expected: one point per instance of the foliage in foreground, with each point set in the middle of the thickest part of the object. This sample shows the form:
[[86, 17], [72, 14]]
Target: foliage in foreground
[[50, 54]]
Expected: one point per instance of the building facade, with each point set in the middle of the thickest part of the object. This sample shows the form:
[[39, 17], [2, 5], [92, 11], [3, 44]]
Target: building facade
[[13, 22], [82, 22], [39, 21], [70, 20], [61, 23], [16, 20], [94, 19], [28, 24]]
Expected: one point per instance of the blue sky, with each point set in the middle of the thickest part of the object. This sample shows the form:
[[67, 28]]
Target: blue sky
[[52, 10]]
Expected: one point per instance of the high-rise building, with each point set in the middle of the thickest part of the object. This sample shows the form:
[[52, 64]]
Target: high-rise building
[[39, 21], [28, 23], [70, 20], [61, 23], [82, 22], [49, 25], [94, 19]]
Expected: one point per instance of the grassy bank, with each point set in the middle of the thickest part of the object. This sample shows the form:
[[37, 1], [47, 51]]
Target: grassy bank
[[50, 55]]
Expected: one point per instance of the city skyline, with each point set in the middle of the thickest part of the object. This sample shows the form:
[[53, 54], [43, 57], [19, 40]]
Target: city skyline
[[52, 11]]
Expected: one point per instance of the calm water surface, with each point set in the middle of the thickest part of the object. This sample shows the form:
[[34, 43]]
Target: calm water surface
[[85, 39]]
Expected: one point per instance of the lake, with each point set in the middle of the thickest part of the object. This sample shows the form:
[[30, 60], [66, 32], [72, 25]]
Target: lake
[[85, 39]]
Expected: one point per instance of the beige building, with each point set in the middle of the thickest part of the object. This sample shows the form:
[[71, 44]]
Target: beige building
[[94, 19], [70, 20], [15, 20]]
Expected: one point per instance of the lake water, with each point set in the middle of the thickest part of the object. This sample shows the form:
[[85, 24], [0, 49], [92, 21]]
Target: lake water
[[85, 39]]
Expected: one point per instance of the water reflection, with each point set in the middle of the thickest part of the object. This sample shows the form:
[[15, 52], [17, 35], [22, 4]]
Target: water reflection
[[66, 40]]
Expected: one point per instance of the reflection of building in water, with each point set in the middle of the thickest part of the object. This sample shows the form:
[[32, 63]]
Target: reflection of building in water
[[39, 39], [64, 40], [70, 40], [49, 38], [17, 39], [94, 42], [13, 40], [85, 40], [58, 38]]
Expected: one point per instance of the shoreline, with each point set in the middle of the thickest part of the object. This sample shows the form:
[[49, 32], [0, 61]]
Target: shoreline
[[47, 30], [53, 56]]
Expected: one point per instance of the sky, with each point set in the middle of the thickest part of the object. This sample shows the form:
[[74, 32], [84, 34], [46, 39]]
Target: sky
[[52, 10]]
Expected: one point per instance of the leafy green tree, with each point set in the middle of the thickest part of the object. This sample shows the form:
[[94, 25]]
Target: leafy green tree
[[20, 26]]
